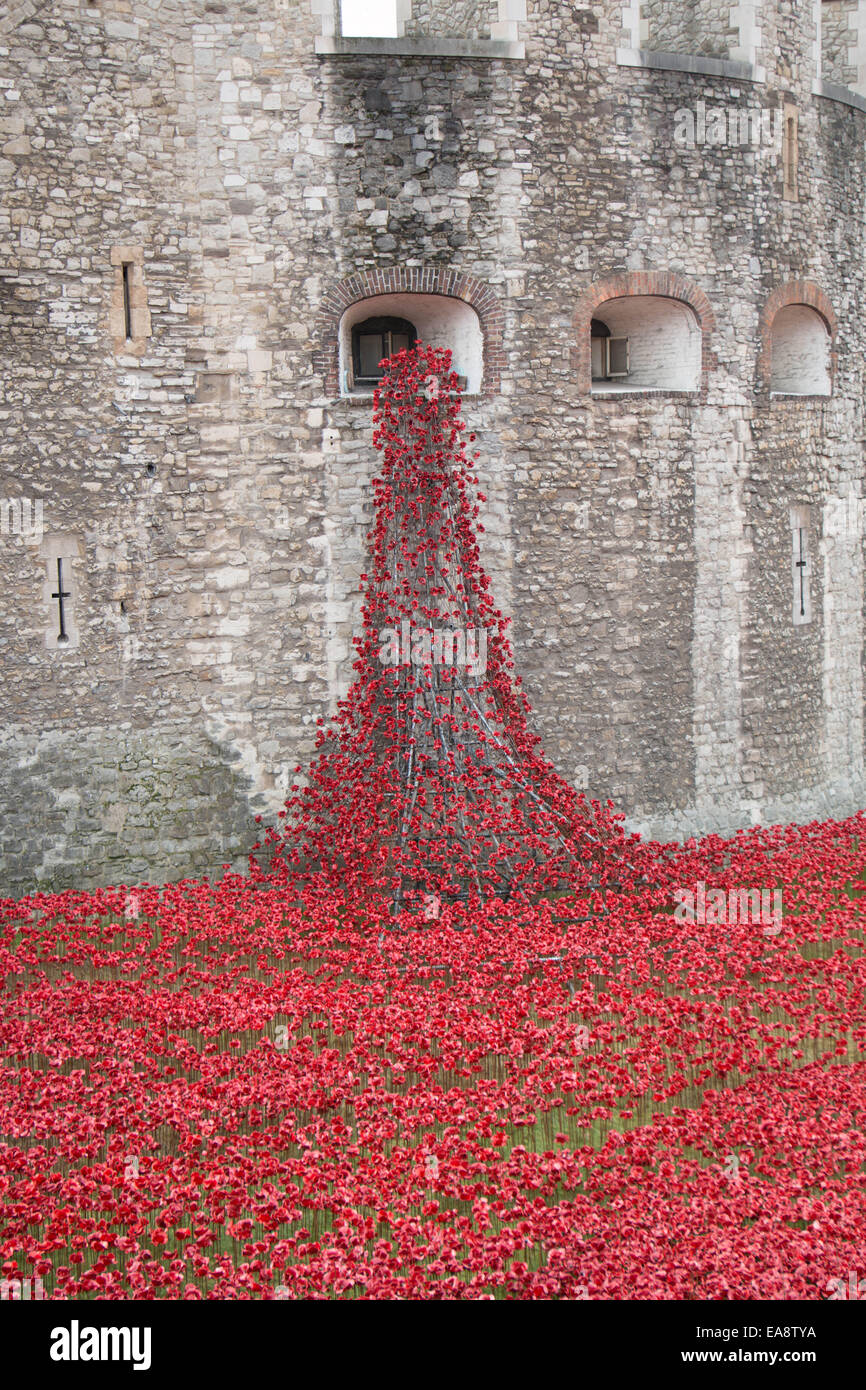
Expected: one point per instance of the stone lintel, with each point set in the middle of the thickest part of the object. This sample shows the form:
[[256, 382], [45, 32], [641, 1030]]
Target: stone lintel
[[419, 48], [687, 62]]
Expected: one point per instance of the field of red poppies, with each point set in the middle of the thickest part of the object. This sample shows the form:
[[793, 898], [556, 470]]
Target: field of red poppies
[[215, 1091]]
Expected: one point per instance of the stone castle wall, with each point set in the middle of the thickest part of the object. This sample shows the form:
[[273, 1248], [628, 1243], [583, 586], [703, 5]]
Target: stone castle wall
[[838, 38], [209, 488], [690, 26], [470, 19]]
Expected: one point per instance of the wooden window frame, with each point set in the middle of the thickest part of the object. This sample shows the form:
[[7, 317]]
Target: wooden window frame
[[386, 325], [608, 340]]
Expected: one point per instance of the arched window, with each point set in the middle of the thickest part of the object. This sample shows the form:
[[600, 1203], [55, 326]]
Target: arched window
[[372, 341], [376, 327], [642, 342], [799, 352]]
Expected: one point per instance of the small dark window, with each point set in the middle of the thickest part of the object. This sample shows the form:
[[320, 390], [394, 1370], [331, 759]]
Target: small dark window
[[790, 158], [373, 341], [127, 301]]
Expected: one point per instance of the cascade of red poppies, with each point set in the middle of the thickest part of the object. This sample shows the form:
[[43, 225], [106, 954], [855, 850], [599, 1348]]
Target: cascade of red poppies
[[429, 783]]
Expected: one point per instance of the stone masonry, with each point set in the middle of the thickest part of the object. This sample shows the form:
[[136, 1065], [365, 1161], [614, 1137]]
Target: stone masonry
[[690, 26], [196, 191]]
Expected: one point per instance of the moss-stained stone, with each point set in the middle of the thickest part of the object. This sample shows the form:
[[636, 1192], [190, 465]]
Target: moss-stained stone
[[164, 805]]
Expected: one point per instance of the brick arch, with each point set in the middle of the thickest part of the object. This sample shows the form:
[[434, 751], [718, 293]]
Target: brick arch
[[792, 292], [663, 283], [453, 284]]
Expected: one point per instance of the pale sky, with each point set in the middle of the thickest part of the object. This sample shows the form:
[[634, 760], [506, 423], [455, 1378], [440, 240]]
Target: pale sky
[[369, 19]]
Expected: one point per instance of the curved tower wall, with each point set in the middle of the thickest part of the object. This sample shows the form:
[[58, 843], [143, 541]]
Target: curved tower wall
[[195, 194]]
